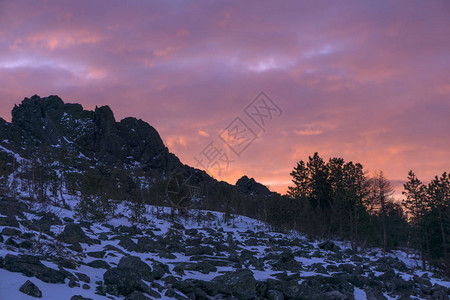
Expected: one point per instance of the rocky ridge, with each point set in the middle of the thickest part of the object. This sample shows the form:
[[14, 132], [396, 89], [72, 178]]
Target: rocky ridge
[[95, 134]]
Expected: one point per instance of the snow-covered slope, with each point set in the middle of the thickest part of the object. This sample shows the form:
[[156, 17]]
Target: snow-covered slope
[[199, 255]]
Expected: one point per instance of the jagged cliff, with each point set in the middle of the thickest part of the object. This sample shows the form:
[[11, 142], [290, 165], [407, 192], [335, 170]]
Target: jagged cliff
[[50, 122]]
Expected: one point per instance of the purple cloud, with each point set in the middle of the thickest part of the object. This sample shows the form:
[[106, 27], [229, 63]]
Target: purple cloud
[[364, 80]]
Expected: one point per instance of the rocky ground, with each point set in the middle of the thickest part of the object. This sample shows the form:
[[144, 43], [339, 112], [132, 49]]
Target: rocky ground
[[46, 252]]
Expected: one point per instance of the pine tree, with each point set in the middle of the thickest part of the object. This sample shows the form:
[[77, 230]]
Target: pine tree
[[439, 195], [356, 188], [300, 176], [417, 206], [136, 204], [382, 190], [320, 188]]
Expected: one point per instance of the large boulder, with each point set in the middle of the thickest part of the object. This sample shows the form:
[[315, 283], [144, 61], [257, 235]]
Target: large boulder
[[99, 264], [46, 221], [31, 266], [125, 280], [31, 289], [137, 265], [127, 276], [73, 233], [240, 284]]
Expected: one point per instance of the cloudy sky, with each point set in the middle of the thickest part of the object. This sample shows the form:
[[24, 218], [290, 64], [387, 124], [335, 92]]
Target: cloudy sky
[[368, 81]]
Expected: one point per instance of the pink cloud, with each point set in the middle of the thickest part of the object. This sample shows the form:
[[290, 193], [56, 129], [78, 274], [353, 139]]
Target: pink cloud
[[364, 80]]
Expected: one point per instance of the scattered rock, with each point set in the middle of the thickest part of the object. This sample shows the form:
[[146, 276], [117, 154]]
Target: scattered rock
[[31, 289], [78, 297], [96, 254], [66, 263], [46, 221], [328, 246], [9, 221], [136, 296], [275, 295], [125, 280], [83, 277], [99, 264], [127, 244], [8, 231], [11, 242], [76, 247], [132, 230], [239, 283], [73, 233], [375, 295]]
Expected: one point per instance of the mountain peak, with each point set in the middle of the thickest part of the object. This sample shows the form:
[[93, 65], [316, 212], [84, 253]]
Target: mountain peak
[[49, 121], [251, 186]]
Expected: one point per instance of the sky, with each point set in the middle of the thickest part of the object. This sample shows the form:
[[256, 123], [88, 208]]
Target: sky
[[368, 81]]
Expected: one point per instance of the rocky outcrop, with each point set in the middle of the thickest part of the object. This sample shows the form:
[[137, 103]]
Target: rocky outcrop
[[249, 186], [45, 122]]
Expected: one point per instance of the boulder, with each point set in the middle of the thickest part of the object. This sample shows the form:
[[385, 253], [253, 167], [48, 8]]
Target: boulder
[[125, 280], [132, 230], [127, 276], [12, 207], [239, 283], [31, 289], [328, 246], [65, 263], [46, 221], [275, 295], [83, 277], [201, 250], [375, 295], [8, 231], [137, 265], [136, 295], [78, 297], [96, 254], [31, 266], [9, 221], [73, 233], [159, 269], [99, 264], [127, 244]]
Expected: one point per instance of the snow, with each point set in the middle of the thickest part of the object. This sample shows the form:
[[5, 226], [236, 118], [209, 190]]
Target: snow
[[17, 156], [11, 282], [359, 294]]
